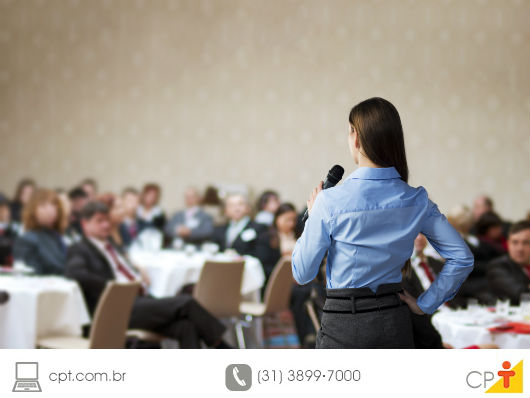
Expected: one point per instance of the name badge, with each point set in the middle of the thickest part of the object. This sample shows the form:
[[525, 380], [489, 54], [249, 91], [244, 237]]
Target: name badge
[[248, 235], [192, 223]]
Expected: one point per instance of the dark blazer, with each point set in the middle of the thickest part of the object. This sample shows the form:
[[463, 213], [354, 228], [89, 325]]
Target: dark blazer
[[202, 232], [507, 280], [258, 247], [43, 250], [89, 267]]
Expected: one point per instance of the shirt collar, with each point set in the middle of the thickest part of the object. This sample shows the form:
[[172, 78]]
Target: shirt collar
[[100, 244], [241, 223], [374, 173]]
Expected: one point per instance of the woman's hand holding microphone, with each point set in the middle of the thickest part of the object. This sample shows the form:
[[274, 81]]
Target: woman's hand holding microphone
[[313, 196]]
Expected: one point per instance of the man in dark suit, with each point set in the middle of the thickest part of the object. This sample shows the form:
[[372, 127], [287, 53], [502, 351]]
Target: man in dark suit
[[95, 260], [509, 275], [423, 271], [244, 235], [192, 225]]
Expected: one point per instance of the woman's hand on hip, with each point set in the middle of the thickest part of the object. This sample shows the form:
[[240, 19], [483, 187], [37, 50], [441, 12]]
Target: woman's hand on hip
[[313, 196], [411, 302]]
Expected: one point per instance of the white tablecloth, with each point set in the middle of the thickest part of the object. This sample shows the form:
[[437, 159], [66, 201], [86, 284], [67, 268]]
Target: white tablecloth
[[170, 270], [462, 328], [40, 306]]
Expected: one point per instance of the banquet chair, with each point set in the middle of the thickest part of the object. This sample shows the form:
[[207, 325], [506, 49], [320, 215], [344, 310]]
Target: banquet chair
[[277, 292], [109, 323], [219, 291]]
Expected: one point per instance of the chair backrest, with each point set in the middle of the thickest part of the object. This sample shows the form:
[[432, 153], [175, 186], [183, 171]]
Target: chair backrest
[[112, 315], [219, 287], [278, 289]]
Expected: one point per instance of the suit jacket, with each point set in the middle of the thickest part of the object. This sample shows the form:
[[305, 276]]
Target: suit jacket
[[507, 280], [202, 232], [43, 250], [89, 267], [259, 246]]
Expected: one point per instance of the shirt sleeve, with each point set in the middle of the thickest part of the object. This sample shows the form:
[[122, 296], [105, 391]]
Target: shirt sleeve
[[311, 247], [458, 265]]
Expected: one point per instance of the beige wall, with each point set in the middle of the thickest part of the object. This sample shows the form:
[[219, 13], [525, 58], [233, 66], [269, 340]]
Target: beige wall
[[258, 92]]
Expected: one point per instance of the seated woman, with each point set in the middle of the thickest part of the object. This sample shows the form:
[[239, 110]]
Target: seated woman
[[42, 246], [284, 234], [149, 213], [25, 188]]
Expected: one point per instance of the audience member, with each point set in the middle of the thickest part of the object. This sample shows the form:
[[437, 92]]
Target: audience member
[[192, 225], [25, 189], [484, 204], [267, 204], [492, 242], [211, 204], [78, 198], [421, 274], [42, 247], [476, 284], [90, 186], [129, 228], [244, 235], [509, 275], [150, 214], [95, 260]]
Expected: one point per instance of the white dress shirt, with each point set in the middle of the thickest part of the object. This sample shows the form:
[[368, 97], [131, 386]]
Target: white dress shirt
[[234, 229]]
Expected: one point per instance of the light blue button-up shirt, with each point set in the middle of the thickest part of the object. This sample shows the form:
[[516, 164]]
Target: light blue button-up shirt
[[368, 225]]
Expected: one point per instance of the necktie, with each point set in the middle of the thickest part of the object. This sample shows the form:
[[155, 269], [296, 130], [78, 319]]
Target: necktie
[[526, 269], [427, 270], [121, 268]]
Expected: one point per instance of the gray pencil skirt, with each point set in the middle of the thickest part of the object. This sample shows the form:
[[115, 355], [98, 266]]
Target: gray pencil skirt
[[359, 318]]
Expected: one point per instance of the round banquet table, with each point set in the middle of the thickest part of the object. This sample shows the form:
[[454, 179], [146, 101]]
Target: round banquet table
[[170, 270], [40, 306], [463, 328]]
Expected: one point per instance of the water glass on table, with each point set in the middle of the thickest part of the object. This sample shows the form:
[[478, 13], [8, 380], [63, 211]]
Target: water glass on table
[[502, 307], [472, 305], [525, 306]]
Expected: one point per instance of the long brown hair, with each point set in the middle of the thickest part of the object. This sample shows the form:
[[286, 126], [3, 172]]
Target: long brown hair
[[380, 133], [29, 214]]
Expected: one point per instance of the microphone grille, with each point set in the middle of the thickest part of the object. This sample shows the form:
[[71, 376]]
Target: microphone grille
[[337, 172]]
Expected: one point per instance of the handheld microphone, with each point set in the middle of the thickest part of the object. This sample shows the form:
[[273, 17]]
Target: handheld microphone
[[333, 177]]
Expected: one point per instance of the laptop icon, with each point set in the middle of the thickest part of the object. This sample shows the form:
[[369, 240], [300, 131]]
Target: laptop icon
[[27, 374]]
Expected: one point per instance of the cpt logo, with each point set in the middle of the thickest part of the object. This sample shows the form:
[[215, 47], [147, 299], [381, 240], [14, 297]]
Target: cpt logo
[[510, 379]]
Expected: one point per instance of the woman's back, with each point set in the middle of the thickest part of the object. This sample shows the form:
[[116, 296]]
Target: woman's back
[[367, 226], [375, 217]]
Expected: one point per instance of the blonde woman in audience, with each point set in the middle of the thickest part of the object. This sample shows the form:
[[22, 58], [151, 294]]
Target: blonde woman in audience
[[42, 246], [129, 228]]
